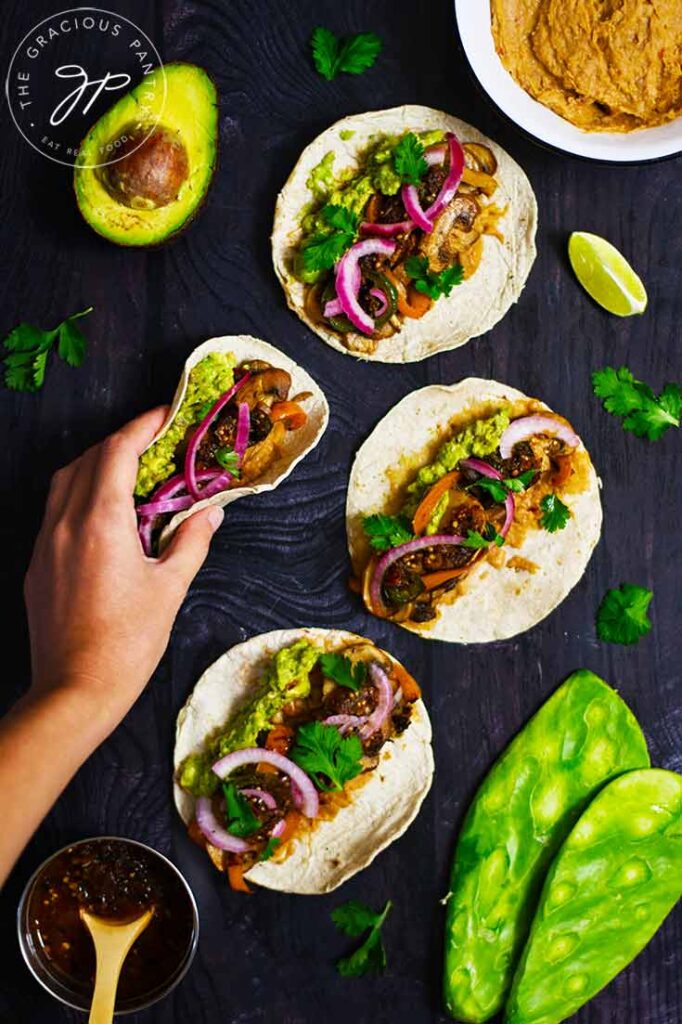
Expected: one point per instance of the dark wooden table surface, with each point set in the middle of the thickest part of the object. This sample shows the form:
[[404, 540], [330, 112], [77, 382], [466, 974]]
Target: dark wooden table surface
[[280, 559]]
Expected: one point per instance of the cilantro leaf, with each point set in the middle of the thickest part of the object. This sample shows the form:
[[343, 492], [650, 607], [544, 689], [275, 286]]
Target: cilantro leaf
[[321, 252], [353, 54], [428, 281], [499, 489], [555, 514], [475, 539], [341, 669], [408, 160], [642, 412], [27, 349], [385, 532], [622, 616], [521, 482], [240, 817], [228, 459], [341, 218], [322, 752], [353, 919], [269, 849]]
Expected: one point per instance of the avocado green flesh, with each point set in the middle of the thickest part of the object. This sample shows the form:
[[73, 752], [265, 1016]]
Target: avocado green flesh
[[286, 678], [583, 736], [188, 108], [614, 880]]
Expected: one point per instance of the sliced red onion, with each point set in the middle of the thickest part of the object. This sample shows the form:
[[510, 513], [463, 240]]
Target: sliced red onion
[[529, 426], [262, 795], [159, 506], [344, 723], [214, 832], [191, 454], [332, 308], [435, 155], [453, 179], [278, 829], [382, 685], [144, 530], [380, 297], [243, 423], [369, 227], [176, 483], [218, 484], [348, 280], [387, 560], [256, 755], [485, 469], [410, 197]]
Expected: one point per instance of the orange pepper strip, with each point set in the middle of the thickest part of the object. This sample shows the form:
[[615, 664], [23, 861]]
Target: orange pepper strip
[[279, 739], [431, 580], [372, 208], [235, 875], [564, 470], [266, 769], [292, 823], [411, 303], [430, 500], [292, 414], [409, 685]]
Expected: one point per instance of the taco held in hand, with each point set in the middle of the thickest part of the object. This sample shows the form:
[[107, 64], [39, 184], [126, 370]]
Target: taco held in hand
[[243, 416], [472, 511], [299, 756], [403, 232]]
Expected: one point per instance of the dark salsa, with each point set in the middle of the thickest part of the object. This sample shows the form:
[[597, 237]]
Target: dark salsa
[[114, 879]]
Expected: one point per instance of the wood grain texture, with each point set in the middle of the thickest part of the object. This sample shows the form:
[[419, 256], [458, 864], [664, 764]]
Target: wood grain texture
[[279, 560]]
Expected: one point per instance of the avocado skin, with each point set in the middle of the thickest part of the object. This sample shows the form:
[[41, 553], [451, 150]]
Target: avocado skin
[[152, 228]]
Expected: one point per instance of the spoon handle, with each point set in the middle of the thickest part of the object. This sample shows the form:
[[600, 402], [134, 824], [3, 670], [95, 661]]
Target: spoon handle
[[104, 996]]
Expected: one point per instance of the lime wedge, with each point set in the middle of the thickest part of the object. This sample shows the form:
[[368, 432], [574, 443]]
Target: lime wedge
[[605, 274]]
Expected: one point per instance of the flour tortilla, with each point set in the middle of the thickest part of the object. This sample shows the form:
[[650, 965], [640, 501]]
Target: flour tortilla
[[297, 443], [382, 808], [495, 603], [472, 307]]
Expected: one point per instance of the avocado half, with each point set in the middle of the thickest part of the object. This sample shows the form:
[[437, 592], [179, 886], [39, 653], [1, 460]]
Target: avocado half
[[163, 138]]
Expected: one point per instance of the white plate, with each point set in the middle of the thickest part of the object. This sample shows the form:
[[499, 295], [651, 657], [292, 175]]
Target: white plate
[[473, 22]]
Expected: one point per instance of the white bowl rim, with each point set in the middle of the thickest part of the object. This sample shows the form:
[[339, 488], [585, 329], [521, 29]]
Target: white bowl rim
[[648, 144]]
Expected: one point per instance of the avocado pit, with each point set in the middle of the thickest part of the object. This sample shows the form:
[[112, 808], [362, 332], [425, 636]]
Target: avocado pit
[[151, 170]]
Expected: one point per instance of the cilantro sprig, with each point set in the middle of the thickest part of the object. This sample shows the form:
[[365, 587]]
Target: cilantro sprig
[[385, 532], [409, 162], [643, 413], [432, 283], [28, 348], [352, 54], [269, 849], [329, 758], [499, 489], [240, 818], [622, 616], [228, 459], [354, 919], [341, 670], [555, 514], [475, 539], [323, 250]]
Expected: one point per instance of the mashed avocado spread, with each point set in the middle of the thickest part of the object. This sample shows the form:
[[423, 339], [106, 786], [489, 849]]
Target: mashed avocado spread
[[479, 439], [352, 189], [286, 678], [208, 380]]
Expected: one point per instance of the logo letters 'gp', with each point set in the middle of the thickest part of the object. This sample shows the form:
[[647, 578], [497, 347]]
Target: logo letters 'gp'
[[109, 83]]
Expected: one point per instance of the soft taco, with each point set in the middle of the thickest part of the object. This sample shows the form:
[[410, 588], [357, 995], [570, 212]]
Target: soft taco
[[300, 755], [243, 416], [472, 511], [403, 232]]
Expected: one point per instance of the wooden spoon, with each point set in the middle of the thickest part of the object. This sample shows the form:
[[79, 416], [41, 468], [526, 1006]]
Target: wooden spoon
[[112, 941]]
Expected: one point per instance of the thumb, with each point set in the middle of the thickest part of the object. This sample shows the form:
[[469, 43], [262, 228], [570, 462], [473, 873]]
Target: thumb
[[187, 550]]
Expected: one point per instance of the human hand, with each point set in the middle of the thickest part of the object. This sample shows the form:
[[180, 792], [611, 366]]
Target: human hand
[[99, 612]]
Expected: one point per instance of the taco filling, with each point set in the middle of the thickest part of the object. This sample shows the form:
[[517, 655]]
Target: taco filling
[[393, 238], [226, 433], [498, 477], [311, 734]]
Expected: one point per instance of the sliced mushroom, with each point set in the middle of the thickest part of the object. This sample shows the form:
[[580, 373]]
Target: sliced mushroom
[[452, 233], [485, 182], [265, 387], [361, 343], [479, 158]]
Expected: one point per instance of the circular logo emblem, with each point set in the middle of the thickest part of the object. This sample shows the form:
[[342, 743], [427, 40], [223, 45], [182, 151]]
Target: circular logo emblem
[[71, 68]]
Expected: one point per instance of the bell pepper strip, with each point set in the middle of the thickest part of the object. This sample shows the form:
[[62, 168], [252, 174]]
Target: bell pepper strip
[[563, 471], [279, 739], [291, 413], [411, 303], [266, 769], [409, 685], [479, 179], [292, 822], [372, 208], [432, 580], [235, 875], [428, 503]]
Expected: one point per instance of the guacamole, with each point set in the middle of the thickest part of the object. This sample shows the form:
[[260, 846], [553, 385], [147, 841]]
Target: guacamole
[[479, 439], [208, 380], [286, 678], [351, 189]]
